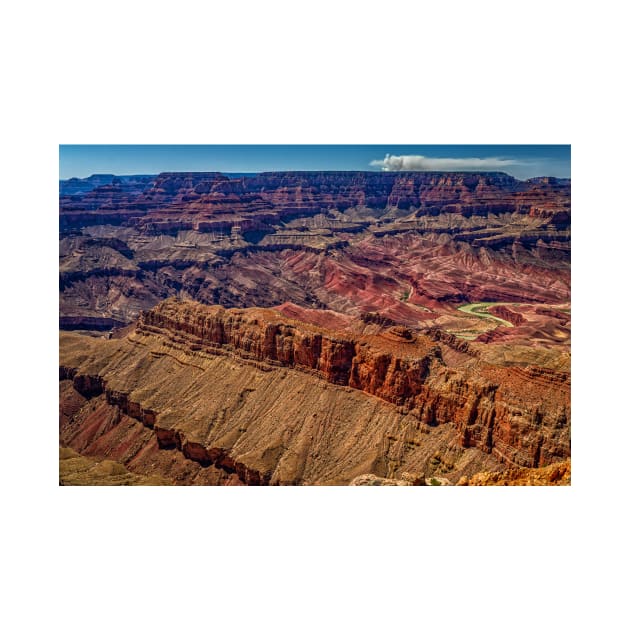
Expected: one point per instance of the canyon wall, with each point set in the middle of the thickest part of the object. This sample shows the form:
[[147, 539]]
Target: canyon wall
[[353, 242], [175, 201], [273, 400]]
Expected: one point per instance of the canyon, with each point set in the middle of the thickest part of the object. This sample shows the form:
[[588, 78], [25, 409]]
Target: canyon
[[315, 328], [402, 245]]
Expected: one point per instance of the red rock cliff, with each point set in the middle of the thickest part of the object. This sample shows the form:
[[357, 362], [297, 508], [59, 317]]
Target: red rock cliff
[[520, 415]]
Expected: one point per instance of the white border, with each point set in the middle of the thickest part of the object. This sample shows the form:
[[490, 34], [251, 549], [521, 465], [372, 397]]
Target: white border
[[340, 72]]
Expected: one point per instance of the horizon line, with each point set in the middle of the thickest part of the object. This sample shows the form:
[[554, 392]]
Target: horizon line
[[338, 170]]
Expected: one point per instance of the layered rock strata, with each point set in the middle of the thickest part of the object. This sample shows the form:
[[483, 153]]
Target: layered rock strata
[[271, 400], [406, 245], [212, 201], [76, 470]]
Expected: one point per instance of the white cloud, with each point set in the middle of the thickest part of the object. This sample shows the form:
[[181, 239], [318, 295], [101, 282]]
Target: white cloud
[[421, 163]]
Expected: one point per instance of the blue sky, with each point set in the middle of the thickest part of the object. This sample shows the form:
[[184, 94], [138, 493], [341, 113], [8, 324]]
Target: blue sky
[[522, 161]]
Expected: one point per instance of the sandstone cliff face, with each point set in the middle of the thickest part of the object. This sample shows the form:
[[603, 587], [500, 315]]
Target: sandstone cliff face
[[488, 406], [266, 336], [517, 416]]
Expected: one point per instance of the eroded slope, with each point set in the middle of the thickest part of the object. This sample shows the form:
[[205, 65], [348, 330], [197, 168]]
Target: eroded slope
[[254, 396], [411, 246]]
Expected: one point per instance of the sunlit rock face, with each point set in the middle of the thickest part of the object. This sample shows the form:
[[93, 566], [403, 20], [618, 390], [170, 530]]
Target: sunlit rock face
[[268, 399]]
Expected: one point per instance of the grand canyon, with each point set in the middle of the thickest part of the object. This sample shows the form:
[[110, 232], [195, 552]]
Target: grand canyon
[[315, 328]]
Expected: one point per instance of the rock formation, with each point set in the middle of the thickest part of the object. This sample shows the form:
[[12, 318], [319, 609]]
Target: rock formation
[[76, 470], [558, 474], [273, 400], [351, 242], [315, 327]]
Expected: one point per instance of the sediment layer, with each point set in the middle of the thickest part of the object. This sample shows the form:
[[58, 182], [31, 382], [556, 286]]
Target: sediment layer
[[407, 245], [272, 400]]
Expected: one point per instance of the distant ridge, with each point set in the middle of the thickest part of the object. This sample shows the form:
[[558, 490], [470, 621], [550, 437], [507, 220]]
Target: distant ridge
[[77, 185]]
